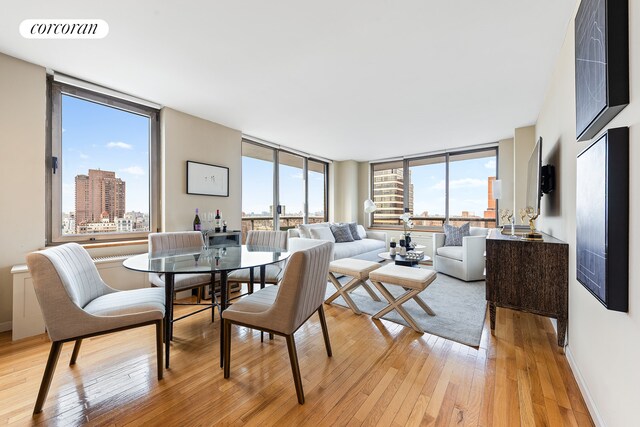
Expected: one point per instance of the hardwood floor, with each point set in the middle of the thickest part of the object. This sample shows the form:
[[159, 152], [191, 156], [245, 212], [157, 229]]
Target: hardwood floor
[[380, 374]]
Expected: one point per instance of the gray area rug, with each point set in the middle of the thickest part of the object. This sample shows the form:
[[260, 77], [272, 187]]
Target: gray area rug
[[460, 307]]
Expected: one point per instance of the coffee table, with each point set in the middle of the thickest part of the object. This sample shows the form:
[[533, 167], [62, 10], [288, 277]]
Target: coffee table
[[401, 260]]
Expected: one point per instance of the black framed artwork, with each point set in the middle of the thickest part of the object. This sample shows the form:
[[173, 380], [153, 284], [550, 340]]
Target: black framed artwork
[[602, 219], [602, 64], [207, 180]]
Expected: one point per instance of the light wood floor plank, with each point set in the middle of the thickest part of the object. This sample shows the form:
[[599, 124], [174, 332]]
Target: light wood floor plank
[[381, 374]]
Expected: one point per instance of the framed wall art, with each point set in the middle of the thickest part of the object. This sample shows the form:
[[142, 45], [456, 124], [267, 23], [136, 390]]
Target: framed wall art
[[602, 64], [602, 219], [207, 180]]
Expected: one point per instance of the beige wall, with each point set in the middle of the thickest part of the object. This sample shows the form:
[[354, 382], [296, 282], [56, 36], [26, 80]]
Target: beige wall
[[524, 141], [22, 195], [184, 137], [346, 197], [505, 173], [604, 346], [364, 184]]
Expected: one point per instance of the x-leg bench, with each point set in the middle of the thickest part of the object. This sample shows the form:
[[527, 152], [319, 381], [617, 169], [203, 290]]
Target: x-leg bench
[[358, 270], [412, 280]]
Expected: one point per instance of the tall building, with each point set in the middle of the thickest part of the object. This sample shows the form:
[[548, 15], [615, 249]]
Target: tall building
[[388, 191], [97, 193], [491, 201]]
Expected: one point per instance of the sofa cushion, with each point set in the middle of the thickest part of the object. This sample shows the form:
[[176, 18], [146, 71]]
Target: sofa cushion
[[351, 249], [342, 233], [478, 231], [454, 235], [353, 227], [322, 233], [453, 252], [304, 228]]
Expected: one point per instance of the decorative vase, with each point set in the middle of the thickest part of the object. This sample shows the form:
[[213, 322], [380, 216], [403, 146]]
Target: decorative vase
[[407, 241], [402, 243]]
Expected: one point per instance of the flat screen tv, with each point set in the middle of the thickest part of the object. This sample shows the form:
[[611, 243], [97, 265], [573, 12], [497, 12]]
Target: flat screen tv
[[534, 178], [540, 179]]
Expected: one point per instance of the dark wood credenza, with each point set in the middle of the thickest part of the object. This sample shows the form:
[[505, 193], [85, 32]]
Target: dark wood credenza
[[529, 276]]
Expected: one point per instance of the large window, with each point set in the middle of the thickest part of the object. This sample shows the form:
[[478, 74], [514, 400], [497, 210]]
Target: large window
[[103, 183], [446, 188], [279, 187]]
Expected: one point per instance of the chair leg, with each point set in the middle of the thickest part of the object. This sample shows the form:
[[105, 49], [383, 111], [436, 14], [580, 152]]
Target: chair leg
[[159, 333], [54, 354], [76, 350], [325, 331], [295, 368], [370, 291], [226, 324], [343, 291]]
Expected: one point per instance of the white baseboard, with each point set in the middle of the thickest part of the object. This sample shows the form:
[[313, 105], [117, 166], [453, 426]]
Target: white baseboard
[[593, 410], [5, 326]]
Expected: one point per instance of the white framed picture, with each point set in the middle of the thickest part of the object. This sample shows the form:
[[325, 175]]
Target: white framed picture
[[207, 180]]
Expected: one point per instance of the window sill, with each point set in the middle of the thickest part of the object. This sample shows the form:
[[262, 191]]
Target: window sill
[[115, 244]]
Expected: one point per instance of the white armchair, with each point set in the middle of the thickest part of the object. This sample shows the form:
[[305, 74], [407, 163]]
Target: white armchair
[[465, 262]]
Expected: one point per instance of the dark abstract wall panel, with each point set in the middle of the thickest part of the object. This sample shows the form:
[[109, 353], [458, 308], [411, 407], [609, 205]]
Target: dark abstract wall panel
[[602, 64], [602, 219]]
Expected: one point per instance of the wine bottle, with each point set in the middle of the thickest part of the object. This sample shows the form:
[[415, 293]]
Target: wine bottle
[[218, 221], [196, 222]]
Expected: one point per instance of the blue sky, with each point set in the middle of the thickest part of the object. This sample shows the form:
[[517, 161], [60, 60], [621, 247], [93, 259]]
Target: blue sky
[[468, 186], [100, 137], [257, 187], [95, 136]]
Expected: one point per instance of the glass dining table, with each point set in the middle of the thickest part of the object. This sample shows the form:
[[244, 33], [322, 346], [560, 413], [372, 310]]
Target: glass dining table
[[220, 259]]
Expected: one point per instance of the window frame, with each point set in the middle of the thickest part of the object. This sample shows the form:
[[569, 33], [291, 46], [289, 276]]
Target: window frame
[[276, 180], [55, 90], [405, 184]]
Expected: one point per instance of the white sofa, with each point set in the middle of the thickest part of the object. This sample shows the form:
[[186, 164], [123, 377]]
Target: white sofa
[[367, 248], [465, 262]]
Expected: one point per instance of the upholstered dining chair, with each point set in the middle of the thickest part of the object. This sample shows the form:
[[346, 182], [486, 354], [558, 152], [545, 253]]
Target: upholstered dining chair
[[77, 304], [273, 272], [282, 309], [159, 242]]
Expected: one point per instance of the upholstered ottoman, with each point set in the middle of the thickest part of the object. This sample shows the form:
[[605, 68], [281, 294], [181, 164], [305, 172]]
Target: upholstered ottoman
[[412, 280], [358, 270]]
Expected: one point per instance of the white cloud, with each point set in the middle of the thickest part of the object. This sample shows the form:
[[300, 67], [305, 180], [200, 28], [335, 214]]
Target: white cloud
[[491, 164], [119, 144], [461, 183], [84, 156], [133, 170]]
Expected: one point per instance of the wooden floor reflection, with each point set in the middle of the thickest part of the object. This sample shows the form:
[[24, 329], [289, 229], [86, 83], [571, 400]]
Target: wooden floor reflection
[[381, 374]]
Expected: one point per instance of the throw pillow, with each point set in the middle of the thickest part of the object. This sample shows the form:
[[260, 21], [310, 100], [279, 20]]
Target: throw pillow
[[305, 228], [453, 235], [322, 233], [362, 232], [353, 228], [342, 233]]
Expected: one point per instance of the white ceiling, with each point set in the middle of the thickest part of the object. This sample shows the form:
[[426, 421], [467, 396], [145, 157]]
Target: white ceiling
[[357, 79]]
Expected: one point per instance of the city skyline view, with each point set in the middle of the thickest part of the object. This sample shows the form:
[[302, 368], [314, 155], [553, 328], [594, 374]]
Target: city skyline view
[[468, 187], [257, 189], [95, 136]]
